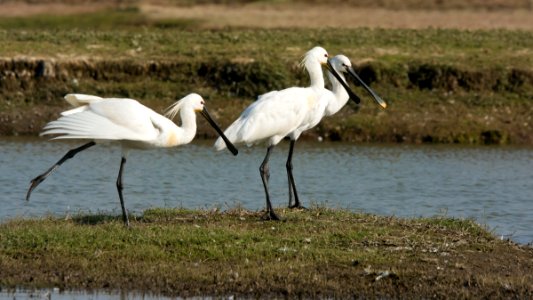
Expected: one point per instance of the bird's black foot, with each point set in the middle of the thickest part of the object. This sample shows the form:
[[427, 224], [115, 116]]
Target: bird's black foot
[[298, 206], [34, 183], [270, 216]]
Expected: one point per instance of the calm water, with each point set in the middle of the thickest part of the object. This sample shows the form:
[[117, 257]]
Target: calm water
[[493, 185]]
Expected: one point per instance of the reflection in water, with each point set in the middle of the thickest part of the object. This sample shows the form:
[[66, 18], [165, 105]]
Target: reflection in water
[[494, 185]]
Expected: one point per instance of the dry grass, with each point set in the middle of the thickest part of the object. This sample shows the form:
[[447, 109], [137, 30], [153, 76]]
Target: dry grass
[[413, 14], [340, 16], [316, 253]]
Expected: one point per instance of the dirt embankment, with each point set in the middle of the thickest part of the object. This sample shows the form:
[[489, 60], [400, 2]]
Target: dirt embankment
[[429, 102], [32, 91]]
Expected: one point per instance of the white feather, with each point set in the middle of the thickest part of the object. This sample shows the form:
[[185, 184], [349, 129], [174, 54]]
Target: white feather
[[81, 99], [282, 113]]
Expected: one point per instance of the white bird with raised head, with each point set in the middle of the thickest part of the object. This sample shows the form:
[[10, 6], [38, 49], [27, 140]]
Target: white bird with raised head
[[329, 103], [279, 114], [290, 112]]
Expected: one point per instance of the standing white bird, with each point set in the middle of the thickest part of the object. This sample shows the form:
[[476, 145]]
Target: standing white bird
[[278, 114], [127, 122], [291, 111], [329, 103]]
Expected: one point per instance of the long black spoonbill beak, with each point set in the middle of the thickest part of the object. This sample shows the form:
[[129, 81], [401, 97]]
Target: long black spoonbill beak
[[230, 146], [352, 95], [358, 80]]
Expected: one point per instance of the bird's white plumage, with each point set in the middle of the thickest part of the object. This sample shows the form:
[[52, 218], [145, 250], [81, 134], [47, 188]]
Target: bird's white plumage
[[264, 121], [125, 120], [340, 96], [287, 112], [81, 99], [278, 114], [110, 119], [330, 101]]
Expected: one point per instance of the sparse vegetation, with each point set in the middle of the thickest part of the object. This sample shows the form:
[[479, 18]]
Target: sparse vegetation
[[443, 86], [319, 252]]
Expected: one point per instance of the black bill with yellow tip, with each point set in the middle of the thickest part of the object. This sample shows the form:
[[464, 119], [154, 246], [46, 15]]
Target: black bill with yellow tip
[[357, 80]]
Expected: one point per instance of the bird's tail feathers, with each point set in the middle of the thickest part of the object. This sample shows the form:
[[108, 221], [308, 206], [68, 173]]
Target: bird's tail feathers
[[232, 133], [220, 144], [81, 99], [74, 110]]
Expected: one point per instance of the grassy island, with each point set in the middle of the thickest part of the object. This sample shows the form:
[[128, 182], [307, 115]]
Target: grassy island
[[313, 253]]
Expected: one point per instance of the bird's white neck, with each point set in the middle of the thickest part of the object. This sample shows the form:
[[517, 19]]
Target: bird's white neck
[[341, 95], [188, 125], [315, 74]]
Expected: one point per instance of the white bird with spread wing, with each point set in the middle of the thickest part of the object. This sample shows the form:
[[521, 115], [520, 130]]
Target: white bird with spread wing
[[127, 122]]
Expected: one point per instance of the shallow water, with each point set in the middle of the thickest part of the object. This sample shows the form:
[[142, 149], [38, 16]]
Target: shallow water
[[493, 185]]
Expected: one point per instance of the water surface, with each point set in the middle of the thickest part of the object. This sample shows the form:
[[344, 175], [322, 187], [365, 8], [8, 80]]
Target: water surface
[[493, 185]]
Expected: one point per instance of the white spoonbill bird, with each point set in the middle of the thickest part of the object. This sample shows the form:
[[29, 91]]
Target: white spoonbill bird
[[338, 66], [278, 114], [329, 103], [127, 122]]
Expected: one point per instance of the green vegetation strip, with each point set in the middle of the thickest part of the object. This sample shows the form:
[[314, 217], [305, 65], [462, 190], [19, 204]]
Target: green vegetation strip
[[151, 40], [442, 86], [317, 252]]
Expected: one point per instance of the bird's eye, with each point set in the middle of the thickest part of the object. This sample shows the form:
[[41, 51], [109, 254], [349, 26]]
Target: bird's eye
[[202, 102], [326, 55]]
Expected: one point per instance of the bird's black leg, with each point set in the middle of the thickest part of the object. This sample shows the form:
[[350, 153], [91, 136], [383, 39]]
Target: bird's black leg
[[288, 165], [70, 154], [292, 184], [119, 188], [265, 175]]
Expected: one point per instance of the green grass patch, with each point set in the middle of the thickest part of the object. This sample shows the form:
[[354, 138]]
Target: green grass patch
[[317, 252], [128, 18], [115, 32]]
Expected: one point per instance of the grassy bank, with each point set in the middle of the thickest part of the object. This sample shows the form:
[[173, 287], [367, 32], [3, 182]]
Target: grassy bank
[[446, 86], [319, 252]]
